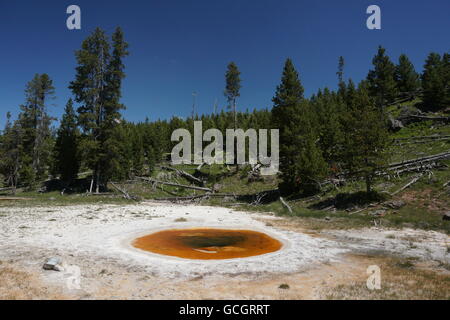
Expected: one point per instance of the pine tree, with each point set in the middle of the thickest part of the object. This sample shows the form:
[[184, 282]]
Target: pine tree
[[97, 87], [301, 162], [365, 137], [35, 123], [434, 84], [340, 74], [381, 79], [66, 154], [11, 150], [446, 78], [406, 77], [329, 108], [112, 115], [119, 148], [232, 87]]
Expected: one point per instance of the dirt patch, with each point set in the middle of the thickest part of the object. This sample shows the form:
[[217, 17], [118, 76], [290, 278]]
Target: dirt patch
[[20, 284], [425, 199]]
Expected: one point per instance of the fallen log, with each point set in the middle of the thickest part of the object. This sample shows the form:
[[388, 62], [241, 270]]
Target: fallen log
[[175, 184], [358, 211], [423, 137], [207, 195], [126, 194], [423, 159], [100, 194], [424, 118], [408, 184], [187, 198], [403, 164], [185, 175], [425, 167], [418, 141]]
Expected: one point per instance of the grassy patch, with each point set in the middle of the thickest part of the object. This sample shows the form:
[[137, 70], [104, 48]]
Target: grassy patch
[[56, 199], [417, 217]]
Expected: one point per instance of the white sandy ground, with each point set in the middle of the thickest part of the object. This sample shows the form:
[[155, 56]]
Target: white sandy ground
[[97, 238]]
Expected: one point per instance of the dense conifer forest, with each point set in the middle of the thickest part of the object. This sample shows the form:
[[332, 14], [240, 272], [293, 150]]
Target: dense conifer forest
[[321, 137]]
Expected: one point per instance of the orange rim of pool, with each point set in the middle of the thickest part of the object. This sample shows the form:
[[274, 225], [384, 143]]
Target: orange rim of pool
[[208, 243]]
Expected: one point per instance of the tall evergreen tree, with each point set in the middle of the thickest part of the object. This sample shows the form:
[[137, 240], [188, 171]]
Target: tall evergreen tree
[[301, 162], [340, 74], [119, 148], [11, 151], [67, 160], [35, 123], [365, 137], [381, 79], [446, 78], [434, 82], [329, 108], [406, 77], [97, 87], [232, 87]]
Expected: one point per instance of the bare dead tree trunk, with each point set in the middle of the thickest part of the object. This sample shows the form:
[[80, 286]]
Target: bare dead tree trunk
[[92, 184], [285, 204], [97, 180]]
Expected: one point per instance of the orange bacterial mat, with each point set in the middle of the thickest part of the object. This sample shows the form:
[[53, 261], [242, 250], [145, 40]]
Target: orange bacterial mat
[[208, 244]]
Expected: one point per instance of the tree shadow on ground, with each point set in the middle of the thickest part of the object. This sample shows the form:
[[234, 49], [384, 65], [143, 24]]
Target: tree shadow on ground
[[343, 201], [264, 197], [76, 186]]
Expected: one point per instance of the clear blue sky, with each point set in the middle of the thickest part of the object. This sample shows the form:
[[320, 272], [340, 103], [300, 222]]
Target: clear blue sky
[[181, 46]]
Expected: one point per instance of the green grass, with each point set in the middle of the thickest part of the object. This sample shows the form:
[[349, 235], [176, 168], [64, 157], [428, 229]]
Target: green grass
[[35, 199], [395, 110]]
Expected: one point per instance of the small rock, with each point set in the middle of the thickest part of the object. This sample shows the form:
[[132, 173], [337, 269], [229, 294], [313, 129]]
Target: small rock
[[53, 263], [327, 218], [396, 204]]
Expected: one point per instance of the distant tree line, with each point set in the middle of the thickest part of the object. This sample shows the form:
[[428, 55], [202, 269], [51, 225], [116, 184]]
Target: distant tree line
[[331, 132]]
